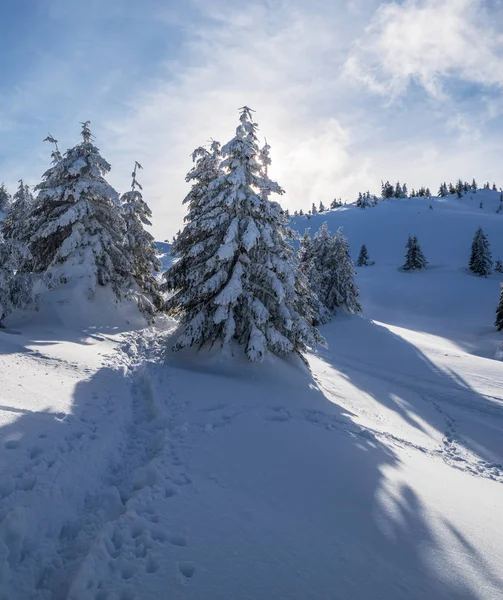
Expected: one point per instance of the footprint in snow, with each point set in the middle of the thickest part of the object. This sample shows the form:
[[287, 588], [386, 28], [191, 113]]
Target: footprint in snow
[[187, 569]]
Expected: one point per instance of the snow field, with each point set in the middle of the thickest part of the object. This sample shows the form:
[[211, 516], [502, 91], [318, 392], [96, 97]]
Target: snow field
[[375, 471]]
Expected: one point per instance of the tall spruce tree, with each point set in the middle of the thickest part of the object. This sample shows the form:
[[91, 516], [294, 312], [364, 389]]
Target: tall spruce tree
[[480, 256], [414, 257], [5, 198], [499, 312], [236, 277], [77, 226], [17, 215], [330, 271], [363, 258], [141, 247], [6, 279]]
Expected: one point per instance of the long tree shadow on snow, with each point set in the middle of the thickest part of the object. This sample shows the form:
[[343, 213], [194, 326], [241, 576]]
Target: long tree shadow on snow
[[308, 478], [398, 376], [52, 465]]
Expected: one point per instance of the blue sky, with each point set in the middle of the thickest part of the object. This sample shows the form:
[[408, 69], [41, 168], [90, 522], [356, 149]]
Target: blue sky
[[347, 93]]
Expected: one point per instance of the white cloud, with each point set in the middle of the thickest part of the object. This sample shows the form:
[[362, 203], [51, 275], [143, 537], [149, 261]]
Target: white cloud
[[340, 115], [425, 41], [281, 63]]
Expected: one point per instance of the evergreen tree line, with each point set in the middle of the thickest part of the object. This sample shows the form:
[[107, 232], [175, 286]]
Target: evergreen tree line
[[388, 191], [237, 275]]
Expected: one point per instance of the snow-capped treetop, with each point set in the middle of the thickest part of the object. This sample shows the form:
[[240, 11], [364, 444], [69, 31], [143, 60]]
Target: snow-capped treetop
[[55, 154], [77, 227], [236, 277]]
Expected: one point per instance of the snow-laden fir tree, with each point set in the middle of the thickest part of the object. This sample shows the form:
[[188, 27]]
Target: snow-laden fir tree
[[236, 277], [363, 258], [498, 265], [141, 247], [17, 215], [344, 292], [6, 277], [330, 270], [499, 312], [314, 210], [480, 256], [414, 258], [15, 230], [5, 198], [77, 225]]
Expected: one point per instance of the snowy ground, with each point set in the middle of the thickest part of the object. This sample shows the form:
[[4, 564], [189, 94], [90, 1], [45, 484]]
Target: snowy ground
[[128, 473]]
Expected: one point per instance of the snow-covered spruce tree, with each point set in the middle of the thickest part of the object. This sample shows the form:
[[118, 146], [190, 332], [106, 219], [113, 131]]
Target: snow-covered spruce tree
[[498, 265], [15, 231], [16, 218], [77, 226], [344, 292], [5, 198], [330, 271], [236, 277], [414, 258], [499, 312], [6, 277], [363, 258], [480, 256], [141, 247]]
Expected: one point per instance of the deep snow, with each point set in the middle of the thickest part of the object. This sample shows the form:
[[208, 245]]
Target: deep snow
[[128, 472]]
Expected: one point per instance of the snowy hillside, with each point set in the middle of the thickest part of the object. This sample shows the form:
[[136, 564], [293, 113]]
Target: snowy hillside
[[129, 472], [446, 299], [164, 249]]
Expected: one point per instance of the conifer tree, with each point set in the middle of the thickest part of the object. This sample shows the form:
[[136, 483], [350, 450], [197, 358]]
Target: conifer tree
[[5, 198], [452, 189], [321, 207], [499, 312], [236, 277], [77, 230], [480, 257], [398, 190], [474, 185], [6, 277], [498, 265], [495, 189], [363, 257], [301, 213], [16, 218], [330, 270], [459, 188], [405, 192], [442, 190], [314, 210], [414, 258], [141, 247]]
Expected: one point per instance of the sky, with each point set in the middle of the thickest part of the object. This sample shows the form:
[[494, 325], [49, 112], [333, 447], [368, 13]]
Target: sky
[[346, 93]]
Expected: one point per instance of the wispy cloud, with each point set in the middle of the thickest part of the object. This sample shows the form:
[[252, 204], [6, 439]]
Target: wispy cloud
[[427, 41], [346, 93]]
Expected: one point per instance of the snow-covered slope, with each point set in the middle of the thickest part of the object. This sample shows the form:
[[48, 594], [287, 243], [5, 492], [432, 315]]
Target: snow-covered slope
[[128, 472], [164, 249], [446, 299]]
